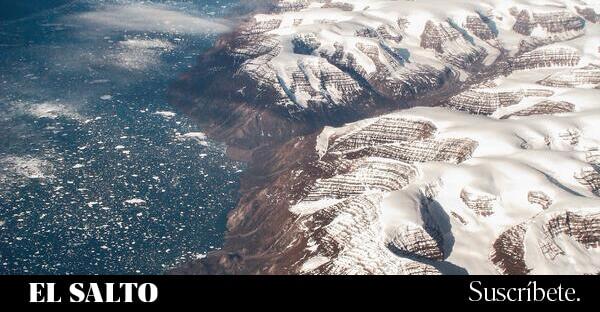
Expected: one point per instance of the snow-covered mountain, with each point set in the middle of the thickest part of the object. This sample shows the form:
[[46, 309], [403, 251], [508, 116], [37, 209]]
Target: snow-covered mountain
[[320, 55], [496, 171]]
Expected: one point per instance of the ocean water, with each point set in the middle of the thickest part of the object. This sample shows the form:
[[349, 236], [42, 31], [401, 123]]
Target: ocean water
[[98, 174]]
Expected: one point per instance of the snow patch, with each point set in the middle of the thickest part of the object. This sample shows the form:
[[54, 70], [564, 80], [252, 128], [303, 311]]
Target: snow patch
[[313, 263]]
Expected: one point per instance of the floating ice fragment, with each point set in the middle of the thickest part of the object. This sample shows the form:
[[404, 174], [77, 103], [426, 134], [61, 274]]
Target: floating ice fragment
[[165, 114], [199, 256], [135, 201], [98, 81], [199, 137]]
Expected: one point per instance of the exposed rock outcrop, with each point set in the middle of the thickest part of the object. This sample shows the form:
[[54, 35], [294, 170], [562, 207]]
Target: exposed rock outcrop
[[508, 254]]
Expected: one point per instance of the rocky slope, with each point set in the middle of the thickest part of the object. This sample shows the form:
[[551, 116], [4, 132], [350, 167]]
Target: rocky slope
[[497, 172]]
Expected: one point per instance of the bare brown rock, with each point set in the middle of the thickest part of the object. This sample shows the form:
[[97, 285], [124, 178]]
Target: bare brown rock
[[545, 57], [480, 26], [583, 228], [590, 177], [574, 78], [546, 107], [384, 130], [481, 203], [508, 253], [539, 198]]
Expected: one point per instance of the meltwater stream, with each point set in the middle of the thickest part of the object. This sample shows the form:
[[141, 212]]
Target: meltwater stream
[[97, 173]]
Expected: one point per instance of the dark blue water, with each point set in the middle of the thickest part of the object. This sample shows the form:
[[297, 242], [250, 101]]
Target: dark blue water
[[98, 174]]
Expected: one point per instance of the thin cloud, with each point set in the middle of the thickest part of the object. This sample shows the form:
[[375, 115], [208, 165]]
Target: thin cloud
[[139, 54], [153, 18]]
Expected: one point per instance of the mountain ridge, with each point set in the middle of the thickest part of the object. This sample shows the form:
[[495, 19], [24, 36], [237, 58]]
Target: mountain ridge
[[318, 199]]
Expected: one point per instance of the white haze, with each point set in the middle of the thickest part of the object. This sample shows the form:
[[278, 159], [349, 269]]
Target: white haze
[[153, 18]]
